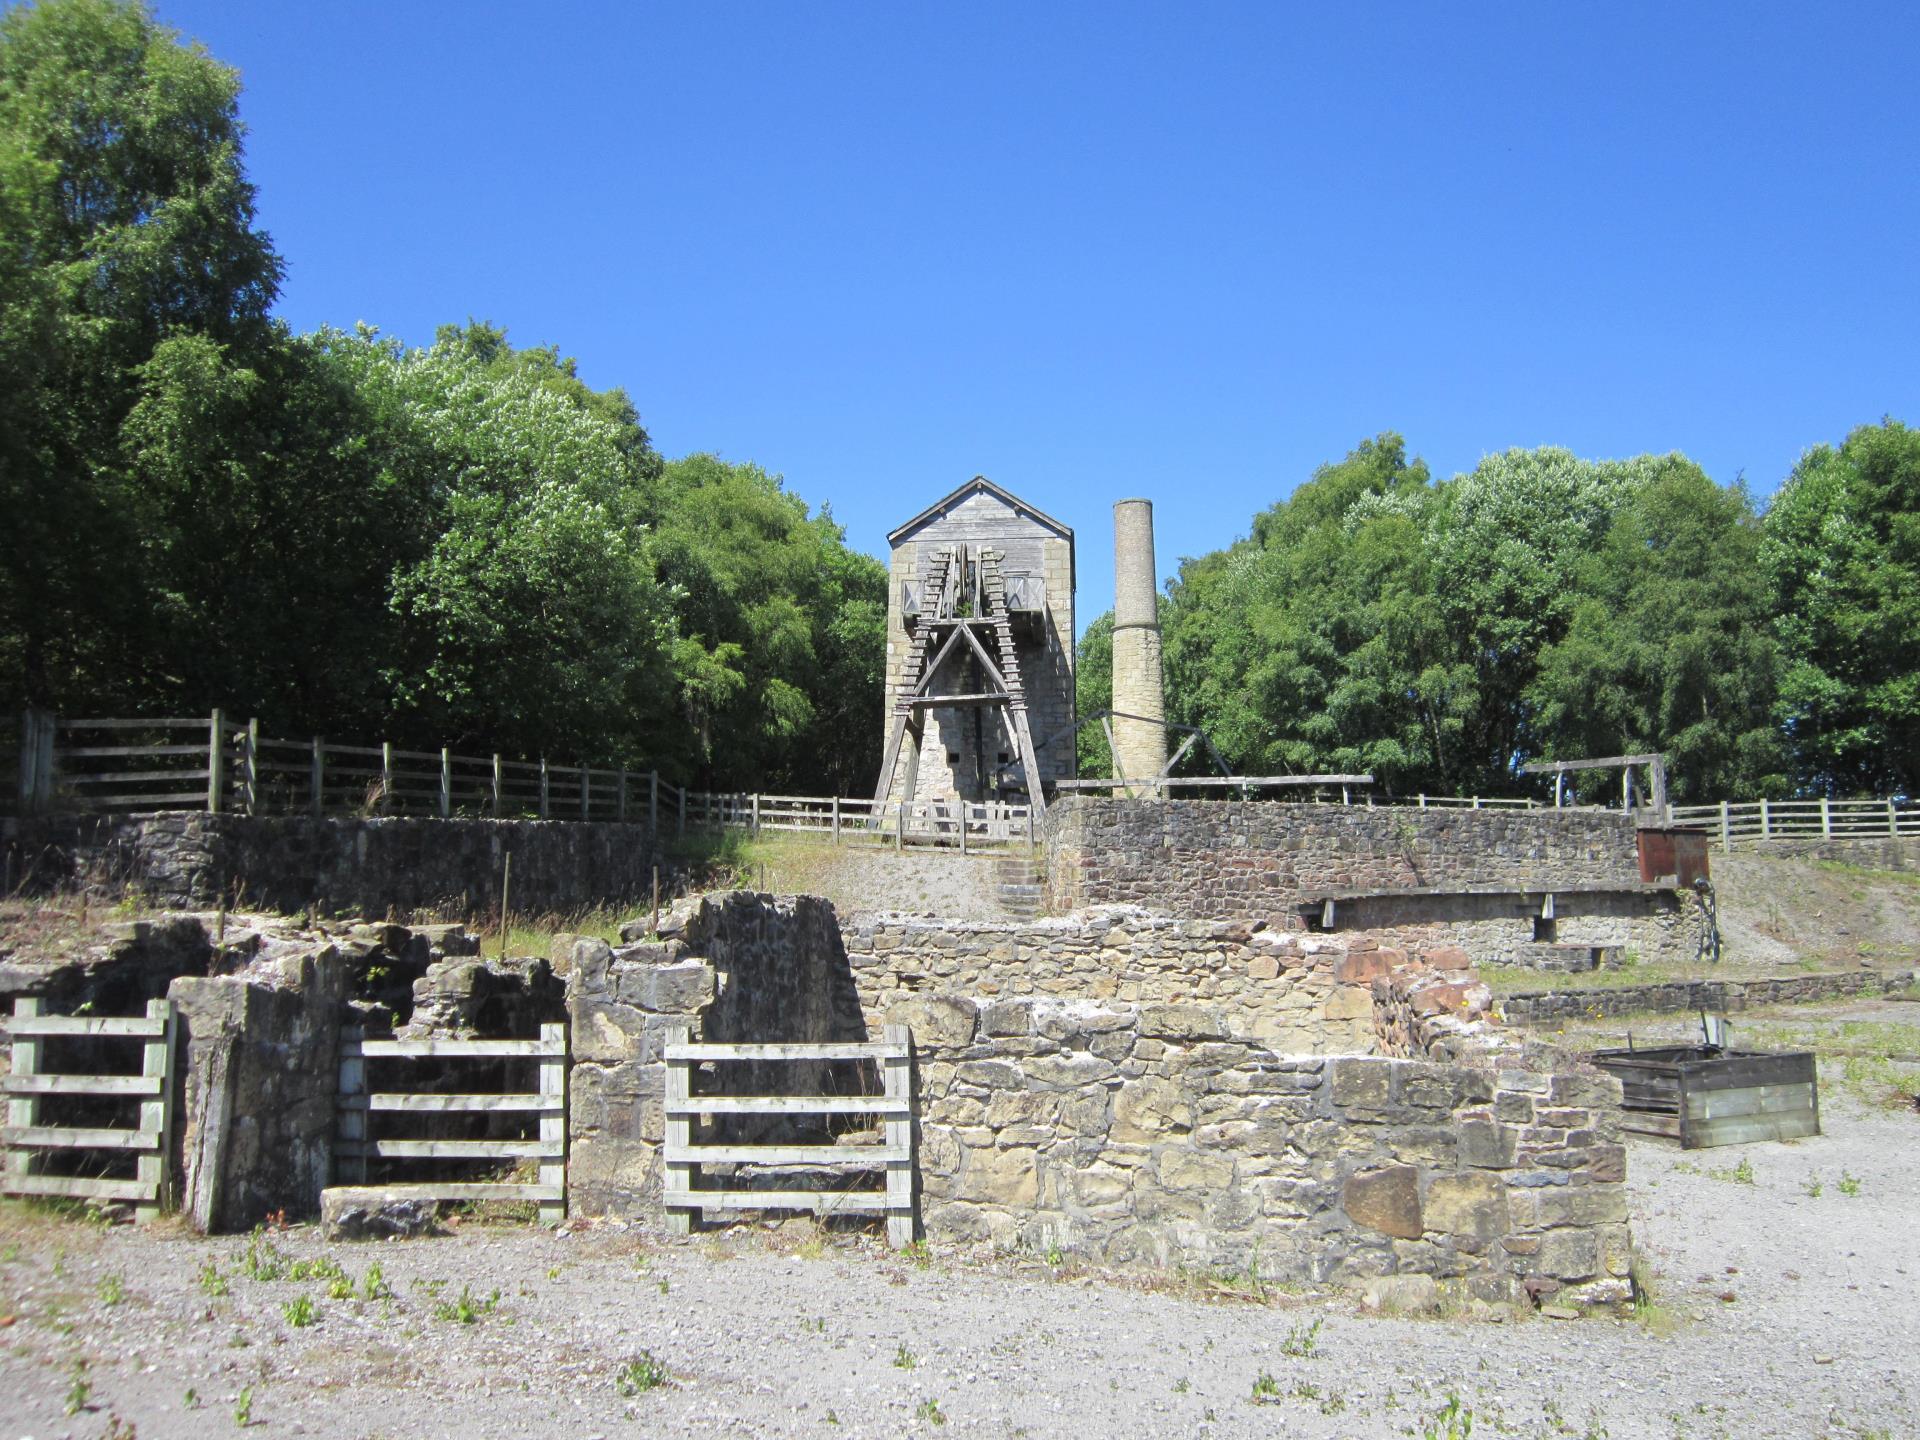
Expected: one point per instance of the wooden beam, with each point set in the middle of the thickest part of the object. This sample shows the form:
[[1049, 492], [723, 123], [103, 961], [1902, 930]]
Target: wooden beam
[[1550, 767]]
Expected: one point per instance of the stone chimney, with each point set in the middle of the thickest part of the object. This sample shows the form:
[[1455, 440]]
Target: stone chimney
[[1139, 703]]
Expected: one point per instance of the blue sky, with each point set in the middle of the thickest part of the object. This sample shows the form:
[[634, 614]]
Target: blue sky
[[1186, 252]]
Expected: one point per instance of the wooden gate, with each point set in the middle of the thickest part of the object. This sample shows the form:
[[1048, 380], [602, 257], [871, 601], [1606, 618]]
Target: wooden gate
[[355, 1143], [26, 1139], [684, 1157]]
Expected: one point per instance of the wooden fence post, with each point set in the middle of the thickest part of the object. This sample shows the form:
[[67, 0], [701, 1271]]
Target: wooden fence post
[[679, 1134], [317, 777], [755, 829], [386, 776], [680, 827], [1826, 818], [252, 765], [1893, 823], [216, 757], [553, 1121], [586, 792], [653, 804], [900, 827], [1726, 830], [896, 1081], [497, 813], [1766, 822], [836, 819], [23, 1110], [350, 1163], [543, 787], [156, 1114], [446, 784], [36, 761], [620, 806]]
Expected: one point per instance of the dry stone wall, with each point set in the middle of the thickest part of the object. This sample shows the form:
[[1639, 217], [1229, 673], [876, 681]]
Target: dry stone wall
[[1291, 991], [1234, 860], [1657, 925], [1151, 1133], [375, 866]]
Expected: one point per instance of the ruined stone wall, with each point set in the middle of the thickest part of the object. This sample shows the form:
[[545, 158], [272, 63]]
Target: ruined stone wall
[[1885, 853], [1237, 859], [345, 866], [1294, 992], [1152, 1134], [1658, 926], [1679, 996]]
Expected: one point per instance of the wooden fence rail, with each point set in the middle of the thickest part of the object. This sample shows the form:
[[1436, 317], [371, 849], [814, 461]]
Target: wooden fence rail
[[1757, 822], [355, 1142], [26, 1139], [684, 1156]]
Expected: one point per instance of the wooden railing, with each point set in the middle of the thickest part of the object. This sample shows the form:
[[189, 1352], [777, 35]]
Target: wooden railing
[[30, 1083], [356, 1141], [954, 824], [684, 1156], [1733, 826]]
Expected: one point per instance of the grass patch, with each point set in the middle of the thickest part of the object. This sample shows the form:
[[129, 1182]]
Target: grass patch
[[1908, 878]]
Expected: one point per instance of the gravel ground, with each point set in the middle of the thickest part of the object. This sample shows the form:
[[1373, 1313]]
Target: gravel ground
[[1779, 1314]]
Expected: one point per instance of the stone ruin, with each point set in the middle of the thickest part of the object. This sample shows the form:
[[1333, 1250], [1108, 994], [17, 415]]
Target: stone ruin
[[1188, 1066]]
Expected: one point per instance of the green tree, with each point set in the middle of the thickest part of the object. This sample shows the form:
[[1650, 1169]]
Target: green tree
[[129, 223], [1842, 551], [1093, 695], [1669, 646]]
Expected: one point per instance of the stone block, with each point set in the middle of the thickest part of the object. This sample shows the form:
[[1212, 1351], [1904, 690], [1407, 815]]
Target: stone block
[[1349, 1002], [1000, 1177], [1471, 1208], [684, 988], [1386, 1200], [938, 1022], [1179, 1168], [372, 1212], [1447, 957], [1365, 1084], [1183, 1022], [1007, 1017], [1569, 1254], [1487, 1144], [1150, 1109]]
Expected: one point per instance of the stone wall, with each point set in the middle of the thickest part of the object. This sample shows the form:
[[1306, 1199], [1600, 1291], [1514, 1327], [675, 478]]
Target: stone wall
[[364, 867], [1292, 991], [1674, 996], [1236, 860], [1884, 853], [1150, 1134], [1658, 925]]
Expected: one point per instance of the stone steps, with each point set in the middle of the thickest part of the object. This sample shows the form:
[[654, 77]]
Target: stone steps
[[1017, 880]]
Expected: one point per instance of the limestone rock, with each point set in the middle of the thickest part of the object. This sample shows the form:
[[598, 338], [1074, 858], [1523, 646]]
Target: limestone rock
[[1387, 1200], [369, 1212]]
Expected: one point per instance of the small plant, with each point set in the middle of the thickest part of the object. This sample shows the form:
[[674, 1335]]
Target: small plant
[[1813, 1187], [1849, 1184], [465, 1309], [263, 1260], [903, 1358], [113, 1290], [1055, 1256], [664, 1287], [1452, 1421], [929, 1411], [243, 1408], [324, 1268], [921, 1254], [212, 1282], [1743, 1172], [375, 1286], [814, 1324], [1266, 1389], [119, 1429], [299, 1311], [191, 1400], [1303, 1341], [640, 1375], [81, 1390], [1181, 1386], [340, 1288]]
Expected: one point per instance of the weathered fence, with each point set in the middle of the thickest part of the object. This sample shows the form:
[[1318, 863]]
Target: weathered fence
[[31, 1083], [684, 1156], [355, 1141], [1734, 826]]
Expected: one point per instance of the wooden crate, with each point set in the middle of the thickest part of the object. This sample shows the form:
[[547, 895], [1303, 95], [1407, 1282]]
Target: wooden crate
[[1703, 1095]]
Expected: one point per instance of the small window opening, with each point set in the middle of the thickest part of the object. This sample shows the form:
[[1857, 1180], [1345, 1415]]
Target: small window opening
[[1544, 930]]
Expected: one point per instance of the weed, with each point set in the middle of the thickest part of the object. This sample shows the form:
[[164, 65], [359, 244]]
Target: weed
[[921, 1254], [1452, 1421], [832, 1419], [1180, 1386], [1849, 1183], [375, 1286], [243, 1408], [10, 1254], [81, 1390], [1652, 1316], [1743, 1172], [191, 1400], [813, 1325], [929, 1411], [299, 1311], [1266, 1389], [263, 1259], [464, 1308], [1055, 1256], [664, 1287], [113, 1290], [640, 1375], [1303, 1341], [119, 1429], [903, 1358], [211, 1280], [324, 1268], [1813, 1187], [340, 1288]]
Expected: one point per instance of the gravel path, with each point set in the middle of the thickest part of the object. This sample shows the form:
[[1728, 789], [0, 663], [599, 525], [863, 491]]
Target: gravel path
[[1782, 1314]]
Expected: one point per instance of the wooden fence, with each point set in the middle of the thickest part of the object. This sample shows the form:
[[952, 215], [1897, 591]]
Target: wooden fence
[[1747, 825], [356, 1142], [28, 1085], [684, 1157], [955, 824]]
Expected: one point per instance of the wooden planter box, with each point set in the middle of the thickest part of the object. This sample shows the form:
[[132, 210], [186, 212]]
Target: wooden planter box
[[1703, 1095]]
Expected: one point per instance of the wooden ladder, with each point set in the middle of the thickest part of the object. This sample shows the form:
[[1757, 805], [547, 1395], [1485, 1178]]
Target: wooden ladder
[[940, 566]]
